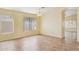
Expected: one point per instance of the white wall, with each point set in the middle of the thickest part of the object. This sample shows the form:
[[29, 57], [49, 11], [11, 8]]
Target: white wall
[[51, 23]]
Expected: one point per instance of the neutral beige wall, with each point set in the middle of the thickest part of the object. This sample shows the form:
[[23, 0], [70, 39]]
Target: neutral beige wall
[[78, 24], [18, 25], [51, 23]]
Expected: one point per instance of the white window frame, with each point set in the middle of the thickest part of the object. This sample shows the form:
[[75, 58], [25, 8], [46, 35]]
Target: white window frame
[[12, 24]]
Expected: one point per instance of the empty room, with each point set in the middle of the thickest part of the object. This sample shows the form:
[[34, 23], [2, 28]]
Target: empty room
[[39, 29]]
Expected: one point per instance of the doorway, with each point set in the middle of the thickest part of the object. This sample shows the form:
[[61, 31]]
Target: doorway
[[70, 25]]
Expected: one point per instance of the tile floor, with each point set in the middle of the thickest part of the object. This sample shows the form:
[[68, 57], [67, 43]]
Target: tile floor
[[38, 43]]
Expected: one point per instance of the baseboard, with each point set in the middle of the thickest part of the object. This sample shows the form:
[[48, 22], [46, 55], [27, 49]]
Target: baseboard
[[18, 38], [52, 36]]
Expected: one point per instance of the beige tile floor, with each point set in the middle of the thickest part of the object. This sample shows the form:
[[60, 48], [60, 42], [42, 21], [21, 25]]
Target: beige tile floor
[[38, 43]]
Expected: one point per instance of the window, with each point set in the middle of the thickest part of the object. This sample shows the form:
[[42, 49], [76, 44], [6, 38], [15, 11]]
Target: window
[[29, 24], [6, 24]]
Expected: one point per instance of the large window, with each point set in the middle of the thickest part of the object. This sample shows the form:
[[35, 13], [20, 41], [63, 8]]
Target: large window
[[6, 24], [29, 24]]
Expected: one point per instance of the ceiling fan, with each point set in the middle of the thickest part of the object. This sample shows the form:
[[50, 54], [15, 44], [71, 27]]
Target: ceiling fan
[[39, 11]]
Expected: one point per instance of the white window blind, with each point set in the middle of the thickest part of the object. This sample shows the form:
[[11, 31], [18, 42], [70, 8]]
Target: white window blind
[[6, 24], [29, 24]]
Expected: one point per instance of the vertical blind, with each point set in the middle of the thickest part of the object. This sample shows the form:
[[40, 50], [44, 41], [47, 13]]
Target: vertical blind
[[6, 24], [29, 24]]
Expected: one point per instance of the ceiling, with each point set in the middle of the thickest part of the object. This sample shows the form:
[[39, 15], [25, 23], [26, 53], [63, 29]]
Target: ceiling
[[34, 10]]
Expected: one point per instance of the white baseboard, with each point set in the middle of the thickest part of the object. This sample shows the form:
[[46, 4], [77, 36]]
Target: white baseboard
[[52, 36]]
